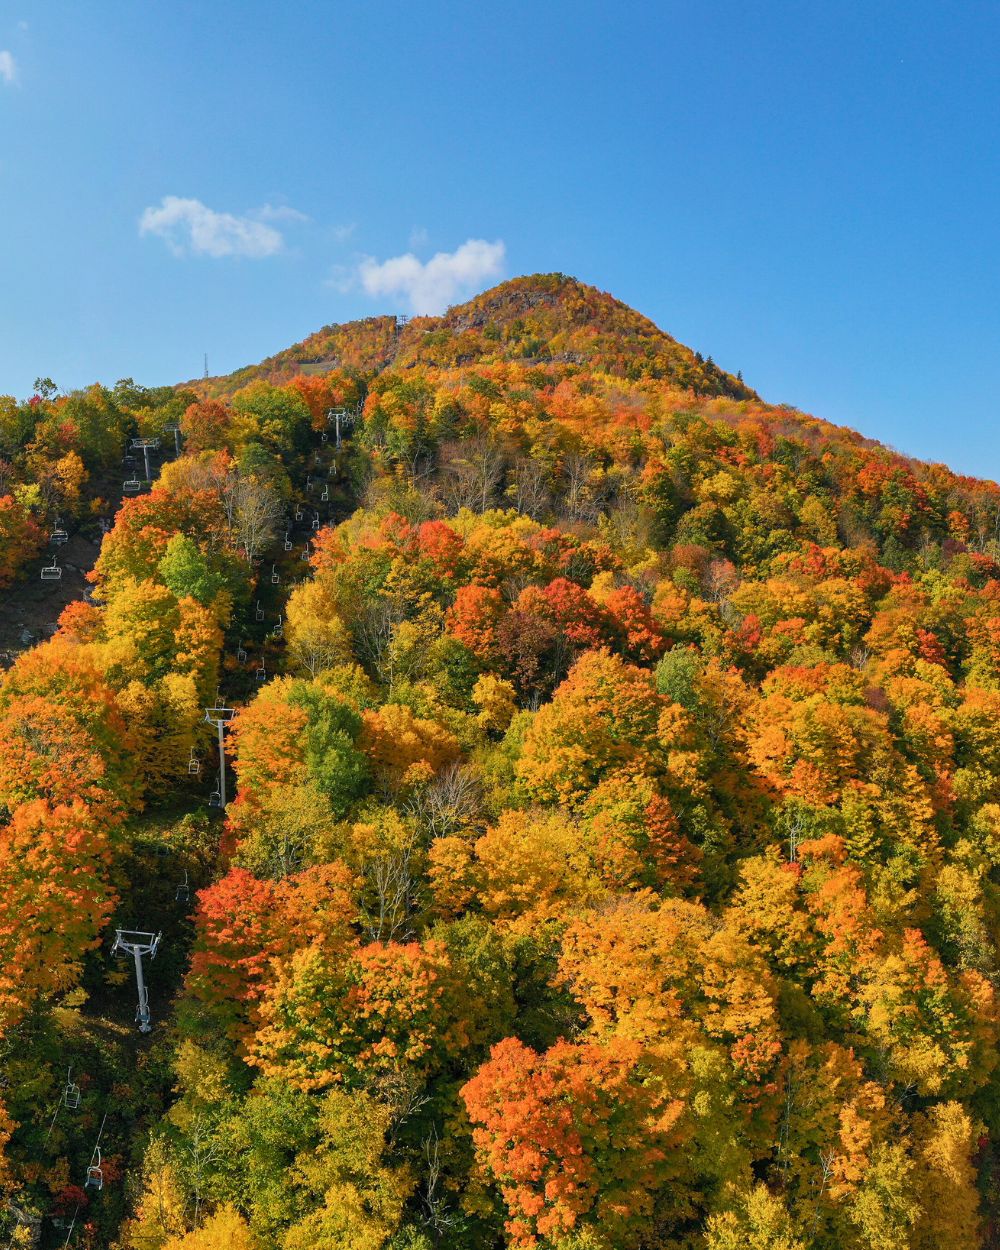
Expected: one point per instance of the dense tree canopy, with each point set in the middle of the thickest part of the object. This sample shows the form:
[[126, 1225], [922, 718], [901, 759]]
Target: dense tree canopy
[[612, 855]]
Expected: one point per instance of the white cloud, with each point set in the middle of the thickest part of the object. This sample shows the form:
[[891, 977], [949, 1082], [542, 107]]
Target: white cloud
[[419, 237], [280, 212], [430, 286], [188, 226], [8, 68], [342, 278]]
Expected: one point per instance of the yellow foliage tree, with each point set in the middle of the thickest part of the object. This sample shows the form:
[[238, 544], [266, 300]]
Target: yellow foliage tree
[[317, 637], [759, 1221], [404, 746], [225, 1230], [531, 867], [362, 1198], [946, 1180], [496, 700], [160, 1212]]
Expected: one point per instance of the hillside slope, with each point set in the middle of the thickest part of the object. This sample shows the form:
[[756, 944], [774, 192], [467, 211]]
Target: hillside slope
[[605, 851]]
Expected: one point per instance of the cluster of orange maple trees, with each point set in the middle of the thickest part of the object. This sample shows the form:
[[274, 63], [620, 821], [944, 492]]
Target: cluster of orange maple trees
[[615, 852]]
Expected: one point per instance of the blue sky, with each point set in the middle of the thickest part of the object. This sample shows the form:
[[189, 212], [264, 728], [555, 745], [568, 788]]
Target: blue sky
[[807, 191]]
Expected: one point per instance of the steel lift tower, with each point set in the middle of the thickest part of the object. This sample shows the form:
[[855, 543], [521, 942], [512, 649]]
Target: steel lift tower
[[220, 716], [146, 445], [135, 943]]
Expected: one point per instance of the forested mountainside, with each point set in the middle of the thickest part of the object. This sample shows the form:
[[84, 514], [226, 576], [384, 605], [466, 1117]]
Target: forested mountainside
[[607, 849], [544, 319]]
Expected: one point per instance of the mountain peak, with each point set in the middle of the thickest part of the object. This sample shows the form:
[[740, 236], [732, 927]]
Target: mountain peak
[[573, 301], [540, 319]]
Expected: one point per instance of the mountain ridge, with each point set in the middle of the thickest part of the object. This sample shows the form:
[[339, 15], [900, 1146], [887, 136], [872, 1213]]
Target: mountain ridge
[[538, 319]]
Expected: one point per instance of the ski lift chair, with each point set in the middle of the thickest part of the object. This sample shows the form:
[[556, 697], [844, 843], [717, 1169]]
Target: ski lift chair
[[258, 614], [194, 764], [52, 572], [260, 673], [288, 541], [215, 798], [315, 521], [183, 893], [274, 575], [241, 655], [131, 486], [95, 1173], [298, 513], [71, 1093]]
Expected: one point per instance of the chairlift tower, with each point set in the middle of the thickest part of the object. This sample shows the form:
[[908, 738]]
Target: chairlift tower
[[340, 418], [135, 943], [220, 716], [174, 429], [146, 445]]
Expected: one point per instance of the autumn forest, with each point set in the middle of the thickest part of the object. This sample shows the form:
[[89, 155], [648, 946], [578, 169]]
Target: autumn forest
[[604, 852]]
